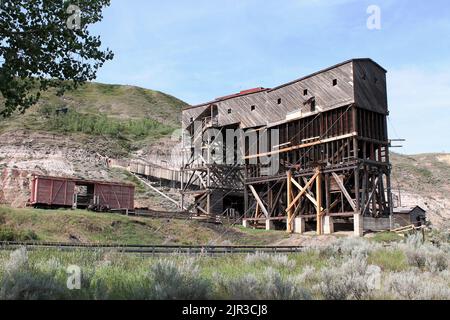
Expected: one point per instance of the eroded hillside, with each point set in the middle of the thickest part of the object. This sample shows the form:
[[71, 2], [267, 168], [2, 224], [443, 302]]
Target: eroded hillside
[[424, 180], [76, 134], [99, 121]]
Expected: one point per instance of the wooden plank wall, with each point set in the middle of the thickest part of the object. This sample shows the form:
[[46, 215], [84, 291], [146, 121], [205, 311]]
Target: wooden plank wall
[[321, 87], [370, 87], [358, 81]]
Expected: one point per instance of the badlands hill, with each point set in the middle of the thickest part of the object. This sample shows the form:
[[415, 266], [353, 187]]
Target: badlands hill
[[125, 122]]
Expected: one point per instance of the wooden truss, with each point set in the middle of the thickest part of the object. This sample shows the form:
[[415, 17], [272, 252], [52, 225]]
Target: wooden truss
[[337, 192]]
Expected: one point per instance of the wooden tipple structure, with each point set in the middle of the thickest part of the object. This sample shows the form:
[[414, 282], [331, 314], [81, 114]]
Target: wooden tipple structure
[[306, 154]]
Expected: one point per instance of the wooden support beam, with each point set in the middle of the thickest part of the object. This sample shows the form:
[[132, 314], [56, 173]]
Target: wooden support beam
[[357, 191], [200, 178], [258, 200], [307, 194], [303, 191], [301, 146], [277, 198], [290, 213], [344, 191], [370, 196], [202, 210], [319, 204], [208, 204], [158, 192], [327, 192]]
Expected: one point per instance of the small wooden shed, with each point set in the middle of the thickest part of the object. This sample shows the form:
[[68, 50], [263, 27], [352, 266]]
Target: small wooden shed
[[404, 216]]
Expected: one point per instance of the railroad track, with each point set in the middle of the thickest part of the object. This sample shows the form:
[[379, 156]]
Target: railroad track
[[154, 249]]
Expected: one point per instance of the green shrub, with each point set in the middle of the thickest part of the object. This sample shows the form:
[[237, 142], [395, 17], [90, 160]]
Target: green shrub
[[277, 260], [20, 281], [177, 281], [387, 237], [73, 122], [346, 281], [269, 286], [392, 260], [9, 234], [22, 285], [411, 285]]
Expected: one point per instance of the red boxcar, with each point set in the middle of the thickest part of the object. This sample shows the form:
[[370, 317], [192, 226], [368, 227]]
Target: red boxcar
[[69, 192]]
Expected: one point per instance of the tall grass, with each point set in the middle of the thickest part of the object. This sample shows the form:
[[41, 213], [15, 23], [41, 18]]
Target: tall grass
[[343, 270]]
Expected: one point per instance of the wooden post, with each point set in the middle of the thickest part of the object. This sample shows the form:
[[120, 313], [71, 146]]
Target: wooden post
[[319, 203], [289, 201], [270, 197], [181, 191], [327, 193], [357, 191], [303, 191], [246, 204], [258, 200], [389, 190]]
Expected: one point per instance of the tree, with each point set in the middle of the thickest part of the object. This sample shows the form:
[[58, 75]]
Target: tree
[[46, 43]]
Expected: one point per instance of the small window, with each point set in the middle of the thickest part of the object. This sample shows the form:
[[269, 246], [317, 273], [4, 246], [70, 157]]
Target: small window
[[253, 108], [375, 80], [305, 92], [192, 119], [229, 111], [334, 82], [279, 101], [313, 105], [364, 77]]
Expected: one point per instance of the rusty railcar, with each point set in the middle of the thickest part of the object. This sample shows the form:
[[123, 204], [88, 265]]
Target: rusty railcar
[[77, 193]]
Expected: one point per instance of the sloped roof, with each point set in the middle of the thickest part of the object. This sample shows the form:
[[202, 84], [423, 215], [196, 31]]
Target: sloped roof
[[260, 89]]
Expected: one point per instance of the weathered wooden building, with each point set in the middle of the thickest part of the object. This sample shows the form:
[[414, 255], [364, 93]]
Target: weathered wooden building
[[312, 151], [405, 216]]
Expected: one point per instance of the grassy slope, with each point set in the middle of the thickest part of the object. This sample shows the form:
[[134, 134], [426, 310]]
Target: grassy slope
[[66, 225], [117, 101], [157, 112], [423, 172]]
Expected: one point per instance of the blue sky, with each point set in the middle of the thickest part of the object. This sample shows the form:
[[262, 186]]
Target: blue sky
[[197, 50]]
